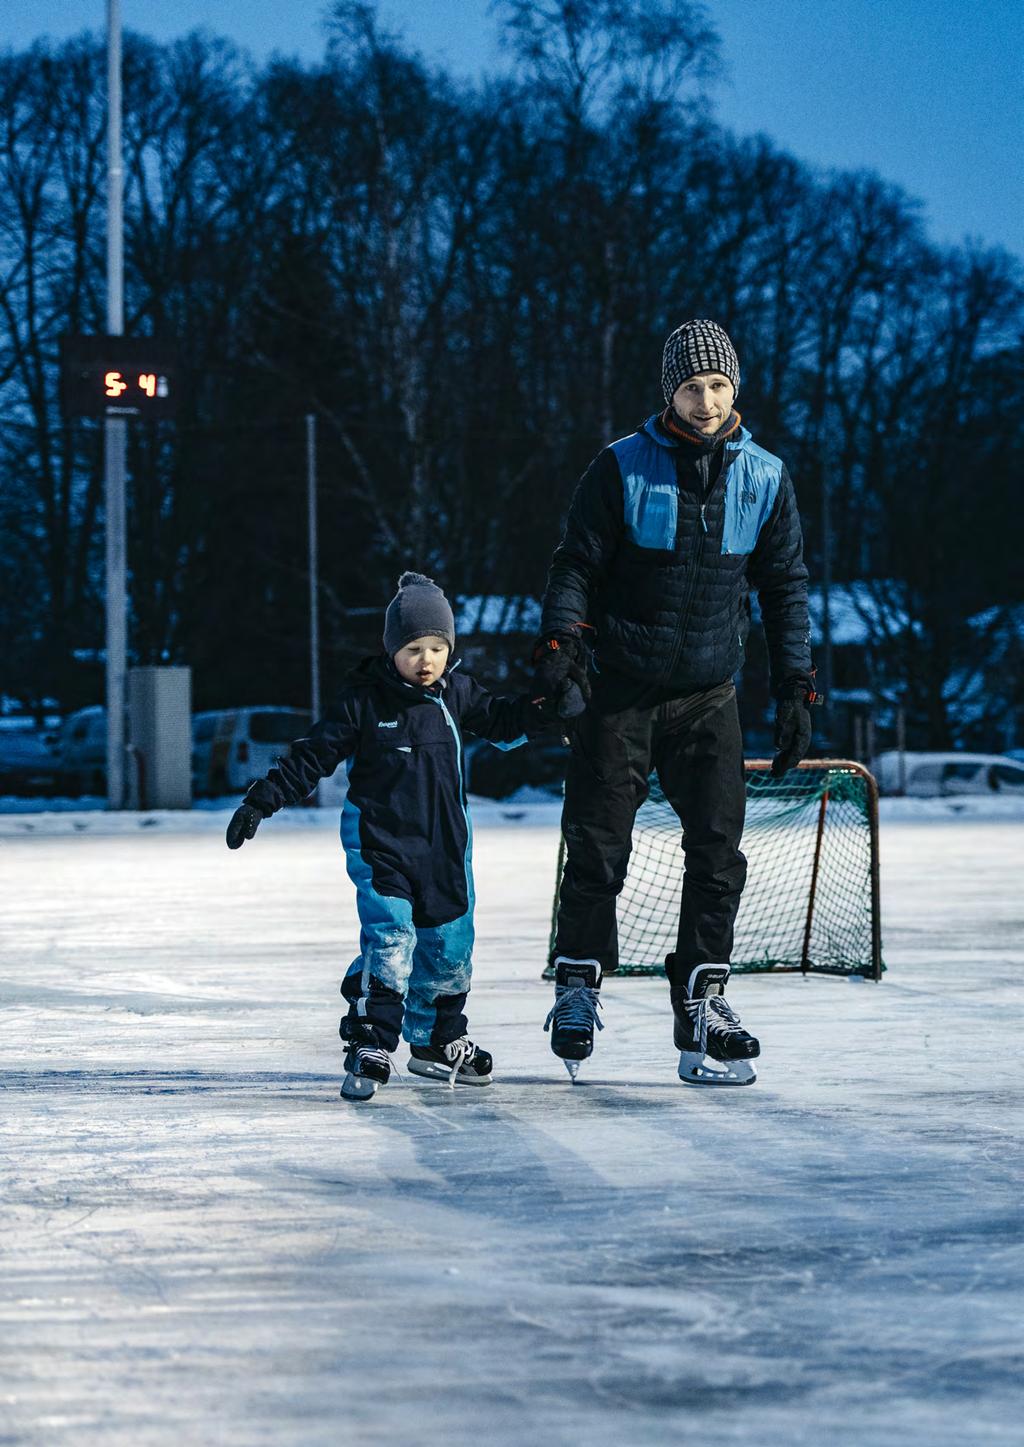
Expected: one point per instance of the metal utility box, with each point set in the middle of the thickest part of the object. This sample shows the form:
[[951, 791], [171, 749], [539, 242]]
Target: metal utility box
[[160, 735]]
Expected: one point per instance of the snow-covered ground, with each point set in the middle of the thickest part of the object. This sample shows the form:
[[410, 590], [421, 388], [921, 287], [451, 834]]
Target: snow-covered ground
[[201, 1244]]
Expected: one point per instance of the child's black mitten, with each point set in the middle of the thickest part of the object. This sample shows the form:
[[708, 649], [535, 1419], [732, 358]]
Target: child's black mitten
[[243, 825]]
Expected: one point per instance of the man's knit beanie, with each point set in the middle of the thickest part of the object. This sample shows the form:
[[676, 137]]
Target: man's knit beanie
[[418, 610], [697, 346]]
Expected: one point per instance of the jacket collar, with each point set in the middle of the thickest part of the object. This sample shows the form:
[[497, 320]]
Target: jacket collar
[[653, 429], [379, 669]]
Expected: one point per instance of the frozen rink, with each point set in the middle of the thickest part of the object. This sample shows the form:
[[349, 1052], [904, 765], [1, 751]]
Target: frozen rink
[[202, 1244]]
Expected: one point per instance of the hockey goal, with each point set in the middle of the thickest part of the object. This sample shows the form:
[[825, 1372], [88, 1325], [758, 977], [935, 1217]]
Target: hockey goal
[[811, 901]]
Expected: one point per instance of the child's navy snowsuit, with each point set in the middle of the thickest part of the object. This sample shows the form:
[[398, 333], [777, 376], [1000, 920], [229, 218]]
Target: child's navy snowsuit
[[407, 836]]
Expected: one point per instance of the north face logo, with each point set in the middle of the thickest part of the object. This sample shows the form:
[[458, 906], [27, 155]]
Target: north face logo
[[750, 497], [389, 724]]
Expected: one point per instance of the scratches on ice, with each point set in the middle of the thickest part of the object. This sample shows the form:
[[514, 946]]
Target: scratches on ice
[[199, 1243]]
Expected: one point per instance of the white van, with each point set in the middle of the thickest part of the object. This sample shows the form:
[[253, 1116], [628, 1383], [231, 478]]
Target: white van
[[929, 776], [231, 747]]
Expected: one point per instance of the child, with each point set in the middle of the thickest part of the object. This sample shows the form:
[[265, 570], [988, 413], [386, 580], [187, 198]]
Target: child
[[407, 837]]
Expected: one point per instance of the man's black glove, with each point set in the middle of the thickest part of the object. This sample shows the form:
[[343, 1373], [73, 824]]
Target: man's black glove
[[243, 824], [560, 670], [792, 724]]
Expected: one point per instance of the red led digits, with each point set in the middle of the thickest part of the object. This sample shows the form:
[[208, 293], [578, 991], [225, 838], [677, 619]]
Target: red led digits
[[153, 386], [119, 377]]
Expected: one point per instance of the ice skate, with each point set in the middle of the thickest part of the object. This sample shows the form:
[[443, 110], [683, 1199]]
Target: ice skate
[[367, 1064], [573, 1016], [459, 1063], [714, 1047]]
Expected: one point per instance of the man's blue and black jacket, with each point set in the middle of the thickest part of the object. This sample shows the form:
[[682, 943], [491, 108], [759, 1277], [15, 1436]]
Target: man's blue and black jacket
[[662, 544], [406, 808]]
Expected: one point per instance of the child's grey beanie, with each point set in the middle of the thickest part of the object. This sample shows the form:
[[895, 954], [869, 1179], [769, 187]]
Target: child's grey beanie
[[419, 609], [697, 346]]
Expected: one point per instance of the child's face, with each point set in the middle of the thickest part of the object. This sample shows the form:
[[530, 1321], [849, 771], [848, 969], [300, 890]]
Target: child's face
[[422, 661]]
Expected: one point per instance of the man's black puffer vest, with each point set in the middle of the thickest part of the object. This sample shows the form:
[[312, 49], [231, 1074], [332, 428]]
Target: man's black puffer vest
[[663, 541]]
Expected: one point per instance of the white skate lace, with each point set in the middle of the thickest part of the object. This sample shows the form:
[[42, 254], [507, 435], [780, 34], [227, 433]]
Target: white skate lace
[[575, 1006], [726, 1023], [460, 1052]]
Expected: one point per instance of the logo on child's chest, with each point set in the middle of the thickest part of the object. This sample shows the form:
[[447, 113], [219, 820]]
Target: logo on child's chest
[[411, 732]]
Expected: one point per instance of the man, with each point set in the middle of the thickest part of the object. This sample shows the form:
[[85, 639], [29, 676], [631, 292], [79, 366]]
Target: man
[[668, 530]]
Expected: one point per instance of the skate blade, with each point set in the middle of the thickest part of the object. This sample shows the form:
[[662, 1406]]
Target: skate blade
[[431, 1070], [573, 1067], [702, 1070], [358, 1087]]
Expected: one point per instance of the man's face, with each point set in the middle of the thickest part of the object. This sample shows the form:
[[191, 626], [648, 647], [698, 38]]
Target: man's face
[[422, 661], [704, 401]]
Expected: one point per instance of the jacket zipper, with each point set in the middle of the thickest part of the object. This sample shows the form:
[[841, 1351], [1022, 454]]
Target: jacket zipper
[[700, 532], [462, 799]]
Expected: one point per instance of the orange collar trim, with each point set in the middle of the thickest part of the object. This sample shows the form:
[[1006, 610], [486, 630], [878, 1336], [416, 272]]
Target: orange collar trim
[[675, 429]]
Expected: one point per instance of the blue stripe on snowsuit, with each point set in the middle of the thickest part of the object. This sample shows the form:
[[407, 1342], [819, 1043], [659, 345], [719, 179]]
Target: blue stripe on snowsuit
[[504, 747]]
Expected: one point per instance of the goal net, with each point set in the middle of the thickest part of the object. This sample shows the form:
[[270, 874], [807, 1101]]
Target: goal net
[[811, 897]]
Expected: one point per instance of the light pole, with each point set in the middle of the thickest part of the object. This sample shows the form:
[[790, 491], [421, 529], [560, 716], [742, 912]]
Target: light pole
[[314, 602], [115, 429], [826, 590]]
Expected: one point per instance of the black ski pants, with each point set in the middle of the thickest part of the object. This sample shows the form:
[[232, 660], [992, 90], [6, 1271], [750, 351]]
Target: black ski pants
[[695, 747]]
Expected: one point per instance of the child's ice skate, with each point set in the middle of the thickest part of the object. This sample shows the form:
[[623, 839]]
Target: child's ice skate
[[459, 1063], [367, 1063], [714, 1047], [573, 1016]]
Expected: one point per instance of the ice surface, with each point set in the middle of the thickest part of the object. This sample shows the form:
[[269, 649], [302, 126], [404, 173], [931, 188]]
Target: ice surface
[[202, 1244]]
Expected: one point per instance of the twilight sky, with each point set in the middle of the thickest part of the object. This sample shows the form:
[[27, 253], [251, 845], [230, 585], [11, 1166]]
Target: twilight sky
[[928, 92]]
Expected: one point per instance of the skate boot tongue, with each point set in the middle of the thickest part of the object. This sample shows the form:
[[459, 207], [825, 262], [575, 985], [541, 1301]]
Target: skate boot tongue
[[577, 974], [707, 980]]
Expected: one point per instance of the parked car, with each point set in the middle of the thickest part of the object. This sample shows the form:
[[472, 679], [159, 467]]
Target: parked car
[[81, 752], [927, 775], [231, 747], [28, 764]]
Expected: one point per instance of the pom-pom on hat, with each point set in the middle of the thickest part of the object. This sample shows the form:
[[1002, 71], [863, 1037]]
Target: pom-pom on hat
[[418, 610], [697, 346]]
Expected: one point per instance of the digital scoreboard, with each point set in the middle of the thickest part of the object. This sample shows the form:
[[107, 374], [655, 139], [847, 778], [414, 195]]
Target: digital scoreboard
[[118, 377]]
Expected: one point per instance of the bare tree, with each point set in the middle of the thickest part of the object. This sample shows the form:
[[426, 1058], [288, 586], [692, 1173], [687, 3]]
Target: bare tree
[[470, 286]]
